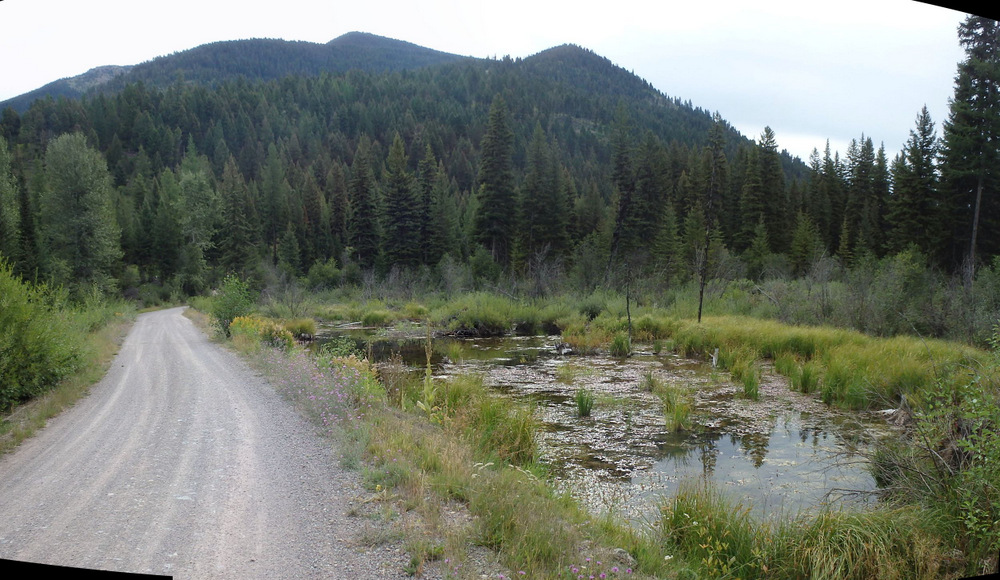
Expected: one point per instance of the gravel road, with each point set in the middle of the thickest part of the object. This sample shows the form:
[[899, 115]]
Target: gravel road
[[184, 462]]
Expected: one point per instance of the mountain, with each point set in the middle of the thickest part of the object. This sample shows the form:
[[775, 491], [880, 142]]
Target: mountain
[[253, 59], [70, 87]]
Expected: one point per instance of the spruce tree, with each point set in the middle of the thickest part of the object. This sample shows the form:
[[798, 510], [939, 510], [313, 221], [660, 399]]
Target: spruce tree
[[971, 145], [496, 216], [913, 213], [239, 232], [543, 204], [403, 208], [775, 196], [9, 215], [363, 224]]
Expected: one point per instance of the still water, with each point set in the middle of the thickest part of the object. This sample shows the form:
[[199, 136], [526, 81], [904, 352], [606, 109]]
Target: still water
[[780, 455]]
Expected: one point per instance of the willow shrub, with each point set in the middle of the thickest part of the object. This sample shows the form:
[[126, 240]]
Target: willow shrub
[[41, 339]]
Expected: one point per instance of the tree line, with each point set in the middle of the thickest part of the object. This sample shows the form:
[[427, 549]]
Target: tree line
[[508, 166]]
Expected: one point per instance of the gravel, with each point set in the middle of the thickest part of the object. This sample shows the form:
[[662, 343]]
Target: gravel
[[184, 462]]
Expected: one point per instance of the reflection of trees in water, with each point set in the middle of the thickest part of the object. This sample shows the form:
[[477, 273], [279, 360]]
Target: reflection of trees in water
[[709, 457], [754, 445]]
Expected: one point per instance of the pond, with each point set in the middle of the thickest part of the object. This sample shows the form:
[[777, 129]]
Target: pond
[[782, 454]]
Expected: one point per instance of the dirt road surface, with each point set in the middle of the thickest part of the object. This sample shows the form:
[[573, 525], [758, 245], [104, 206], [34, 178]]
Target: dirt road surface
[[183, 462]]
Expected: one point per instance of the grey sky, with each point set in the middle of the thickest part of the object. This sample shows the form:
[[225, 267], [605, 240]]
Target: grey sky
[[812, 71]]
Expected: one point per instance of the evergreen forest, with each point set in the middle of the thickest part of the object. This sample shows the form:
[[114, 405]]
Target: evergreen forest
[[560, 171]]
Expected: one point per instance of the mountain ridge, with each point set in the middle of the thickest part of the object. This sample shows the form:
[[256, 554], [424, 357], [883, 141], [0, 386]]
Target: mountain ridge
[[262, 58]]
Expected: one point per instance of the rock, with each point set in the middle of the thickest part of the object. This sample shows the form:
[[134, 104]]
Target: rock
[[624, 557]]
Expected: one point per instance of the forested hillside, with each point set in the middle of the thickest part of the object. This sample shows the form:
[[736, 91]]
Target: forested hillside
[[561, 163]]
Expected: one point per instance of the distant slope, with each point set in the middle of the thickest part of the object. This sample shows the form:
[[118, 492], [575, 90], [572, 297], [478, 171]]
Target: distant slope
[[70, 87], [253, 59]]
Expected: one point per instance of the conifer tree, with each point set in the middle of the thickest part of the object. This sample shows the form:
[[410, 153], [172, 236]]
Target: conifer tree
[[403, 209], [496, 216], [913, 213], [971, 145], [336, 183], [775, 196], [426, 176], [9, 215], [363, 224], [543, 208], [239, 234], [753, 208]]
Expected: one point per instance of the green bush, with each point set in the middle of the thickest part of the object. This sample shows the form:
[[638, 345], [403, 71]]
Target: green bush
[[40, 339], [301, 328], [621, 345], [234, 299]]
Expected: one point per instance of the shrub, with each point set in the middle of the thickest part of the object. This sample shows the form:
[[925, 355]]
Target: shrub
[[301, 328], [39, 342], [234, 299], [621, 345]]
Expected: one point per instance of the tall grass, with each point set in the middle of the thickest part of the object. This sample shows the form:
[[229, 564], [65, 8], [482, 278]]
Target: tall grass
[[621, 345], [722, 540], [584, 400], [848, 368], [677, 403]]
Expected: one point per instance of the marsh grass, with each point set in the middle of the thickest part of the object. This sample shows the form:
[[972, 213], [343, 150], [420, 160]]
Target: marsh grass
[[677, 404], [584, 400], [848, 368], [721, 539], [621, 345]]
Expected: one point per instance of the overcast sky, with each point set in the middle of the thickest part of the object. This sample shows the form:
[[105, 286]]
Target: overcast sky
[[812, 71]]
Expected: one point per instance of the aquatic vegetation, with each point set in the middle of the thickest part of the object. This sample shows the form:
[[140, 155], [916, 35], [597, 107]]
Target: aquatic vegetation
[[584, 399]]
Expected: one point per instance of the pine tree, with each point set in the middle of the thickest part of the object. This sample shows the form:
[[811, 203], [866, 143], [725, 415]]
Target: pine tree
[[624, 179], [496, 216], [403, 207], [774, 194], [339, 209], [9, 215], [239, 234], [543, 208], [913, 208], [971, 145], [806, 244], [426, 176], [364, 224], [753, 209], [275, 191]]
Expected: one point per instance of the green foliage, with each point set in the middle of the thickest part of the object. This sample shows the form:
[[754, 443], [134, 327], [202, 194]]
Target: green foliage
[[723, 541], [676, 400], [233, 299], [494, 225], [301, 328], [584, 400], [621, 345], [341, 347], [77, 223], [41, 341], [502, 430]]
